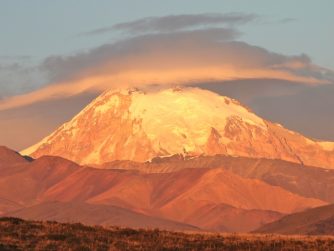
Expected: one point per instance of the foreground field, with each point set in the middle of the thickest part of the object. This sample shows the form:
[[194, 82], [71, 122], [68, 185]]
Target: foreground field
[[17, 234]]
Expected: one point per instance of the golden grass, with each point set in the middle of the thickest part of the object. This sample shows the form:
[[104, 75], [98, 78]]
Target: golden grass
[[17, 234]]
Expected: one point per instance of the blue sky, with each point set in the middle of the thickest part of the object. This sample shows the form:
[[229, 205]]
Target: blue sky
[[39, 28]]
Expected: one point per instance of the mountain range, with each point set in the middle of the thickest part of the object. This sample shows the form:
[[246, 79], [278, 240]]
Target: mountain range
[[131, 124], [217, 198], [180, 158], [318, 220]]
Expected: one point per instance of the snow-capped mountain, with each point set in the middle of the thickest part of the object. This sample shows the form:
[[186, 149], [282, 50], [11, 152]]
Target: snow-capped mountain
[[134, 125]]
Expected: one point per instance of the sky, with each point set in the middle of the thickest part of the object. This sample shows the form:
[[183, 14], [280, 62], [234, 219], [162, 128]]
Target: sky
[[38, 28], [61, 49]]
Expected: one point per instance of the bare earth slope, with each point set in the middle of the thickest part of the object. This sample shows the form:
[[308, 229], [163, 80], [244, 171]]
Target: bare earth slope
[[306, 181], [318, 220], [10, 157], [96, 215], [208, 198], [134, 125]]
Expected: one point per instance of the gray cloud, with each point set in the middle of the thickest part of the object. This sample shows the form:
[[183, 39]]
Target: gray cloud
[[134, 52], [249, 91], [17, 78], [182, 49], [302, 65], [169, 58], [174, 23], [182, 57]]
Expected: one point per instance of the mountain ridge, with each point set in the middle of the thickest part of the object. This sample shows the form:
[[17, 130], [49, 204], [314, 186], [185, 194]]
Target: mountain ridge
[[229, 201], [135, 125], [319, 220]]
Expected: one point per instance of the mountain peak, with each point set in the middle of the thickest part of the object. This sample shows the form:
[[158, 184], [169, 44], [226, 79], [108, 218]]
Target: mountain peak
[[123, 91], [8, 156], [139, 125]]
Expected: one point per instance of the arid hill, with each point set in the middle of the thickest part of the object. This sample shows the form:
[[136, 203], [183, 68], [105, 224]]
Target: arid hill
[[90, 214], [314, 221], [207, 198], [10, 157], [304, 180]]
